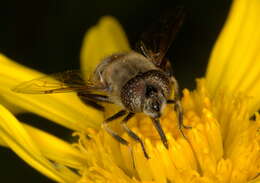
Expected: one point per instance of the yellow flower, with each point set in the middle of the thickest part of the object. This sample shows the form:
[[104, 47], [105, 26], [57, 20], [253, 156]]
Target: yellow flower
[[223, 144]]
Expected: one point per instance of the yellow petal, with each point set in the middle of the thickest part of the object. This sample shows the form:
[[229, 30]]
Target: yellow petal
[[102, 40], [17, 138], [257, 180], [56, 149], [11, 106], [2, 143], [65, 109], [235, 60]]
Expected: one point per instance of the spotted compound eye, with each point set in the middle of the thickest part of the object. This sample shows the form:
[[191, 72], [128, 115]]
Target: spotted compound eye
[[132, 94]]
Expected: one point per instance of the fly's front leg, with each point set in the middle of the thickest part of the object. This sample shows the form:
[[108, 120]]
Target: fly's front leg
[[110, 131], [178, 107], [132, 134]]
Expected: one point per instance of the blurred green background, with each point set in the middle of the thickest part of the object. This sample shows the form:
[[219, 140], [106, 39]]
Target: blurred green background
[[47, 35]]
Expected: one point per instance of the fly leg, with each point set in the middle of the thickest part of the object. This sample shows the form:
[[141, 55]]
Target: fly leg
[[178, 107], [176, 101], [96, 97], [110, 131], [132, 134], [92, 99], [171, 101]]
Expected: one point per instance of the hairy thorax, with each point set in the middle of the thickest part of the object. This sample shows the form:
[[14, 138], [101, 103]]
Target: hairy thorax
[[118, 69], [127, 77]]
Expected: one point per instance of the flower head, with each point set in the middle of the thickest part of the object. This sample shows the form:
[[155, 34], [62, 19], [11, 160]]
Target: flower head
[[222, 146]]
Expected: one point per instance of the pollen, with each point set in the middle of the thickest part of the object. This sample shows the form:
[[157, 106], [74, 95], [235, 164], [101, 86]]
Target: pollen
[[222, 146]]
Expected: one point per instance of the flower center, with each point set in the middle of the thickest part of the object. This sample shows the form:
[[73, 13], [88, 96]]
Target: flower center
[[222, 142]]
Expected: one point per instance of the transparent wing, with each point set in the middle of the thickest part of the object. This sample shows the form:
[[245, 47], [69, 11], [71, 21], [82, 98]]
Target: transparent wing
[[155, 42], [68, 81]]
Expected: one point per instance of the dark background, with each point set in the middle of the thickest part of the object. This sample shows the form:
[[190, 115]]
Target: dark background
[[46, 35]]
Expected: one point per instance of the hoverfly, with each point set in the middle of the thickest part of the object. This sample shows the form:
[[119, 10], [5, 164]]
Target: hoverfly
[[138, 81]]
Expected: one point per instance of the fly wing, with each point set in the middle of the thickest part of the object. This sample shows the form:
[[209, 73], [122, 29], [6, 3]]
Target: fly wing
[[68, 81], [155, 42]]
